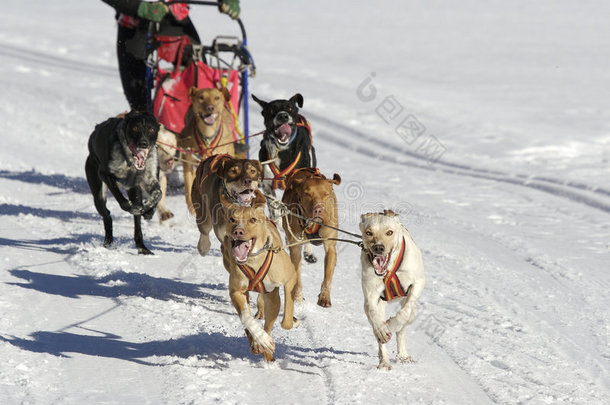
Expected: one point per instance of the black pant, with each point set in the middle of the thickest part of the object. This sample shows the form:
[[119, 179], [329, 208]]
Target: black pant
[[132, 69], [131, 53]]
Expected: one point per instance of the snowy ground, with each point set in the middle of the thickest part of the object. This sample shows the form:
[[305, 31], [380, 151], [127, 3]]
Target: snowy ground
[[502, 178]]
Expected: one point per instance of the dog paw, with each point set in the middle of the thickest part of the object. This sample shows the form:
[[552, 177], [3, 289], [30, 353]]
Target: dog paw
[[394, 324], [382, 333], [268, 357], [384, 365], [310, 258], [143, 250], [149, 214], [259, 315], [165, 215], [261, 344], [135, 210], [404, 358], [324, 299]]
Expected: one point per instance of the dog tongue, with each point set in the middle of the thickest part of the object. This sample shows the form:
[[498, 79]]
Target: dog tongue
[[379, 264], [139, 157], [284, 131], [241, 250], [210, 119]]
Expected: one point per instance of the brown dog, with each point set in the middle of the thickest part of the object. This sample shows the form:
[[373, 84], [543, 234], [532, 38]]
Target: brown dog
[[218, 175], [311, 195], [166, 150], [207, 131], [254, 265]]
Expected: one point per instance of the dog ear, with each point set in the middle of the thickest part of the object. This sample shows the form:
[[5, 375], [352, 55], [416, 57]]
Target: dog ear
[[389, 213], [259, 201], [336, 179], [226, 94], [220, 170], [192, 92], [260, 102], [258, 165], [298, 99]]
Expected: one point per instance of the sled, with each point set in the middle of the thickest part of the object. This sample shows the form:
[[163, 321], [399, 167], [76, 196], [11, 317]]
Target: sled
[[176, 65]]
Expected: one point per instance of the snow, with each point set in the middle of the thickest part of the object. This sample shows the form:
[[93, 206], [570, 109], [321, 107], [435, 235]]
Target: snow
[[505, 189]]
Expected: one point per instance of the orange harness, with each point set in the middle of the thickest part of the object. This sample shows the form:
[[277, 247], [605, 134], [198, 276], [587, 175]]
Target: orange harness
[[393, 288], [280, 176], [256, 277], [209, 166]]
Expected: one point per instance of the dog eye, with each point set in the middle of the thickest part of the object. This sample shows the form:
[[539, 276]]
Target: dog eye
[[233, 220], [369, 233], [252, 220], [134, 129], [217, 98], [389, 233]]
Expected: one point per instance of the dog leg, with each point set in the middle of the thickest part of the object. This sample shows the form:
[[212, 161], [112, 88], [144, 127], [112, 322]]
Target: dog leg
[[98, 189], [295, 258], [401, 337], [288, 321], [330, 261], [308, 253], [189, 177], [260, 339], [374, 308], [135, 195], [124, 203], [260, 307], [272, 309], [407, 312], [384, 359], [162, 211]]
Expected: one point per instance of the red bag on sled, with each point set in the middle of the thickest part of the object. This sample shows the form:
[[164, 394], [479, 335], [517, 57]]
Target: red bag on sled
[[172, 97]]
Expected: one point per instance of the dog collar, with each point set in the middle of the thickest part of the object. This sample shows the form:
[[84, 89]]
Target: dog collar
[[215, 138]]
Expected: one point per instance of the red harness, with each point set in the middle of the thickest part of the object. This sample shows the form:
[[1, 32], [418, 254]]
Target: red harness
[[202, 148], [256, 277], [209, 166], [393, 288]]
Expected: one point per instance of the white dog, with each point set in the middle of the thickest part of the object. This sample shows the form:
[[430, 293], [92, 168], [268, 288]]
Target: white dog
[[392, 268]]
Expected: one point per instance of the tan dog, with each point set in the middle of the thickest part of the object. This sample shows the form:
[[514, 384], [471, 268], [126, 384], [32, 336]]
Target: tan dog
[[207, 131], [392, 269], [218, 175], [166, 150], [309, 194], [252, 266]]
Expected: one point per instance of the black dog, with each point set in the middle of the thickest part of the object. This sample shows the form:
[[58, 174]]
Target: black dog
[[287, 141], [123, 153]]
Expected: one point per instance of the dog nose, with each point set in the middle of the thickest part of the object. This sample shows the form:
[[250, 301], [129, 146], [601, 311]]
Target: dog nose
[[247, 182], [283, 116], [142, 144], [210, 108], [239, 233], [378, 249], [318, 211]]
